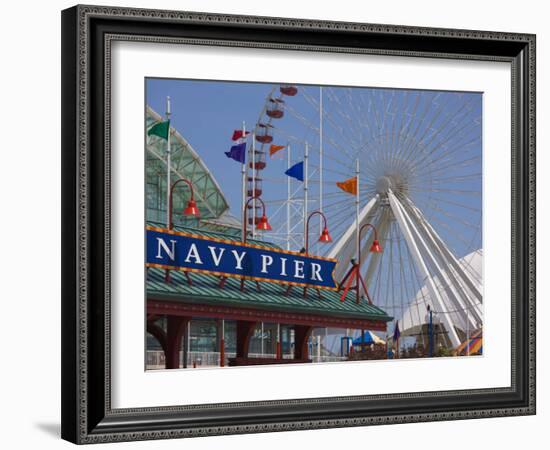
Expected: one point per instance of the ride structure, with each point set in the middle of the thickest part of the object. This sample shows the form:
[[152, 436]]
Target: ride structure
[[419, 185]]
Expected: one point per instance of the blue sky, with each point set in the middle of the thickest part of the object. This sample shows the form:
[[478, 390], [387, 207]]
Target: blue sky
[[371, 123]]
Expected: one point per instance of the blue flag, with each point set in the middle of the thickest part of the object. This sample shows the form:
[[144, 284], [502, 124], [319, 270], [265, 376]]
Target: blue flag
[[237, 152], [296, 171]]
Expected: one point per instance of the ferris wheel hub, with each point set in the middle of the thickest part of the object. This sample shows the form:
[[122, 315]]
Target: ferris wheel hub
[[383, 184], [394, 181]]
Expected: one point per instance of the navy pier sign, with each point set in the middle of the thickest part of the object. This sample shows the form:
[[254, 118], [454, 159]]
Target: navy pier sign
[[176, 250]]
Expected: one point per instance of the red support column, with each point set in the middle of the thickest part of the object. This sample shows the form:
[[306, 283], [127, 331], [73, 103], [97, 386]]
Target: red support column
[[279, 349], [159, 334], [176, 329], [221, 341], [244, 333], [301, 336]]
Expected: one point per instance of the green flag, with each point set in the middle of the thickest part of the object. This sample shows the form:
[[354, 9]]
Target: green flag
[[160, 129]]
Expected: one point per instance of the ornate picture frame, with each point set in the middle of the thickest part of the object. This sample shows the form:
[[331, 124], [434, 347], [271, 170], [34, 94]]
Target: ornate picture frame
[[88, 33]]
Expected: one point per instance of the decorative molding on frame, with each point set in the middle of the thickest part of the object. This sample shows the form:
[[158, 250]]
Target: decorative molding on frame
[[84, 14]]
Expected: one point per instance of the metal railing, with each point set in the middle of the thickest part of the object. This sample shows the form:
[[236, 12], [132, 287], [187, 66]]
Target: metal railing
[[155, 358]]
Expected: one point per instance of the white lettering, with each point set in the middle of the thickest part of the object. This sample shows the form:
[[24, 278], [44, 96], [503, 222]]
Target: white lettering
[[283, 267], [315, 269], [266, 261], [193, 253], [217, 258], [238, 259], [170, 252], [298, 269]]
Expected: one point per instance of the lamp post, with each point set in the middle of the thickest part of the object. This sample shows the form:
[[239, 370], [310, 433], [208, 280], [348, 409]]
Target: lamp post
[[354, 272], [190, 210], [263, 224], [325, 235], [374, 248], [324, 238], [431, 330]]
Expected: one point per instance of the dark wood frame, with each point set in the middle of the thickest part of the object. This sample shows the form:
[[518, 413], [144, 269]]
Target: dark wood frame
[[87, 32]]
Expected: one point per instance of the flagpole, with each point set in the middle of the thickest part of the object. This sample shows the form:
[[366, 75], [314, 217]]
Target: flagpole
[[243, 182], [168, 164], [305, 190], [253, 188], [320, 157], [397, 344], [288, 200], [357, 214]]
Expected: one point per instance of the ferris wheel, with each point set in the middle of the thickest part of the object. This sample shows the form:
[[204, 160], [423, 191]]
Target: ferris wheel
[[417, 156]]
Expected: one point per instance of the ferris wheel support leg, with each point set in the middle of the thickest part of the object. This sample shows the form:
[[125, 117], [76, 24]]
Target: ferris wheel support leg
[[459, 300], [458, 276], [465, 276], [415, 252]]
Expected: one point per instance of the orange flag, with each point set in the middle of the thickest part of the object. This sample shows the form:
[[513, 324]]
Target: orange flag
[[349, 186], [275, 148]]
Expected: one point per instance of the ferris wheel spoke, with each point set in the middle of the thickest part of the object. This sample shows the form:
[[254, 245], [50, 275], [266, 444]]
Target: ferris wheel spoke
[[438, 140], [452, 232], [447, 191], [412, 137], [442, 161], [463, 164], [419, 146]]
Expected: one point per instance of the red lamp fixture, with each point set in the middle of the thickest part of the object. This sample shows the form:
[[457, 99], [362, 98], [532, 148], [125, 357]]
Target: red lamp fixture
[[263, 223], [375, 247], [191, 208], [325, 235]]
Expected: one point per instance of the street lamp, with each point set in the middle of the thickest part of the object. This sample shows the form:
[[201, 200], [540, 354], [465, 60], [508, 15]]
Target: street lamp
[[191, 208], [325, 235], [323, 238], [354, 271], [263, 223], [430, 330], [374, 248]]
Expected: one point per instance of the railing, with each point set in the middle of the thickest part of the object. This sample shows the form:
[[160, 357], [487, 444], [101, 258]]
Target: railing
[[155, 358]]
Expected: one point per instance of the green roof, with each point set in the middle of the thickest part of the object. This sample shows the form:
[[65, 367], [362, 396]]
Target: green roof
[[205, 290]]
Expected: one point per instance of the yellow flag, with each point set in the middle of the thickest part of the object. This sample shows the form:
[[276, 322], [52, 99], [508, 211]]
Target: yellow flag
[[275, 148], [349, 186]]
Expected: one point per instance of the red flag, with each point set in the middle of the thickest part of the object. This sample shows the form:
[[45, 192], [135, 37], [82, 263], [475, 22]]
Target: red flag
[[238, 134]]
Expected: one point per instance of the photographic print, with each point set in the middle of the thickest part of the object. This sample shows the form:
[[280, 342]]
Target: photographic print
[[290, 223]]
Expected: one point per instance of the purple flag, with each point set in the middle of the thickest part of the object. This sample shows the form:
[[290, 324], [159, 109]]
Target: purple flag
[[237, 152], [396, 332]]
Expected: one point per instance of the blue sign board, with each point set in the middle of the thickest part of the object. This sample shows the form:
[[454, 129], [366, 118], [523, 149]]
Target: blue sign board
[[185, 251]]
